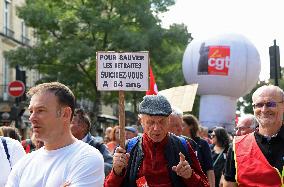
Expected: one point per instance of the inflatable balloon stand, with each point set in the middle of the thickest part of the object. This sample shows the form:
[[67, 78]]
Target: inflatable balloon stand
[[226, 67]]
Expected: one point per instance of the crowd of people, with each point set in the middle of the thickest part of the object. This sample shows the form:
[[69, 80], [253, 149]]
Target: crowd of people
[[173, 149]]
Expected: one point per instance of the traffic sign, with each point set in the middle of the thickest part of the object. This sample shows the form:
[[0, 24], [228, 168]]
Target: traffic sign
[[16, 88]]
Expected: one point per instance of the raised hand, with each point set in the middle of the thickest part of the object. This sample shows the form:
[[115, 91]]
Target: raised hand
[[120, 160], [183, 168]]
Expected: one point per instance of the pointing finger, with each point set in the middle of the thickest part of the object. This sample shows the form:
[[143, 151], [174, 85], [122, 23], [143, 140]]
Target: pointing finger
[[181, 157], [174, 168], [120, 150]]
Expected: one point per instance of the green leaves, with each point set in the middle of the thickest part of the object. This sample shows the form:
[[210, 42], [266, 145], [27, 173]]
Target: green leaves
[[70, 32]]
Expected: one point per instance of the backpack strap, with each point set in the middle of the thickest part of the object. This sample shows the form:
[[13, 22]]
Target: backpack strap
[[6, 150], [184, 143], [175, 146], [219, 156], [131, 143]]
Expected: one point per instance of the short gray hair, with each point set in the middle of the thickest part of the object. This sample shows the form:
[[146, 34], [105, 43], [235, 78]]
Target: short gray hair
[[177, 112], [254, 122]]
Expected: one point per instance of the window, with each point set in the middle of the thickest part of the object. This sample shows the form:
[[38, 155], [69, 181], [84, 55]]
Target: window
[[25, 38], [7, 19], [5, 78]]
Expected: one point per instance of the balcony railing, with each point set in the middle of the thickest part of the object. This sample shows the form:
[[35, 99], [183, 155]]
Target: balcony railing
[[8, 32], [25, 40]]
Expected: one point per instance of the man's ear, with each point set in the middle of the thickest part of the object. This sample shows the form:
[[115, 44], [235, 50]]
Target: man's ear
[[67, 112]]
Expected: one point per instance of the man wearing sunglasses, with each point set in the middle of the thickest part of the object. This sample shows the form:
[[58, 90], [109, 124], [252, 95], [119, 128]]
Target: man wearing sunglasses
[[257, 158]]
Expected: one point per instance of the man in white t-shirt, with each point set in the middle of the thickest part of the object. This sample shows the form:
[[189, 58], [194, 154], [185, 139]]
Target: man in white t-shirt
[[8, 158], [63, 159]]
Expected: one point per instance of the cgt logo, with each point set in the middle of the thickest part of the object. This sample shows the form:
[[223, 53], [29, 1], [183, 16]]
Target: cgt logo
[[218, 60], [214, 60]]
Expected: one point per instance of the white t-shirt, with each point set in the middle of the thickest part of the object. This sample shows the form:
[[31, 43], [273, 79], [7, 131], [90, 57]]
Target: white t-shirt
[[16, 151], [78, 163]]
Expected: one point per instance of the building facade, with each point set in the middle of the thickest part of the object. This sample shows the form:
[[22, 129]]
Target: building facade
[[13, 33]]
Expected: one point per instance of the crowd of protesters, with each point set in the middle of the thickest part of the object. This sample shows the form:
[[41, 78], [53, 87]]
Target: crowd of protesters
[[173, 149]]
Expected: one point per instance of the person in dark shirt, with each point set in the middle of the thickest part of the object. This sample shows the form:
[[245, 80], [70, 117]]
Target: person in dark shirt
[[80, 128], [130, 132], [220, 146], [190, 128], [257, 159]]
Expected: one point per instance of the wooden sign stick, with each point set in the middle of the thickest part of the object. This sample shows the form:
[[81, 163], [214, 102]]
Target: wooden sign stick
[[121, 119]]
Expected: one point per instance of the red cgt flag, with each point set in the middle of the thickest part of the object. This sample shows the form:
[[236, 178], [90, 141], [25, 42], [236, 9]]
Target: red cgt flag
[[153, 89]]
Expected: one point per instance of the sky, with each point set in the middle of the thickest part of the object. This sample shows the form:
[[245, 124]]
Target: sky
[[261, 21]]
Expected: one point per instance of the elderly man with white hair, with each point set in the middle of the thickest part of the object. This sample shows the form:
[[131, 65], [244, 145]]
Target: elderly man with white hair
[[246, 124], [157, 158], [179, 127], [257, 159], [175, 120]]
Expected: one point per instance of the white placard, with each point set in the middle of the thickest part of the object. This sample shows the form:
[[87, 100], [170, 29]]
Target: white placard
[[123, 71], [182, 96]]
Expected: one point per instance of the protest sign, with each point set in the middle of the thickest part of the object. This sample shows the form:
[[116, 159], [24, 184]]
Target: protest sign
[[123, 71]]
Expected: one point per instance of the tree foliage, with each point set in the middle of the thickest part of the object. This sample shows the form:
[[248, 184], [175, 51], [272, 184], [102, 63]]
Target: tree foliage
[[245, 103], [69, 33]]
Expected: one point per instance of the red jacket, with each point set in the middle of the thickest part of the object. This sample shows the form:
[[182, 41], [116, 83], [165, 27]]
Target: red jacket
[[154, 167]]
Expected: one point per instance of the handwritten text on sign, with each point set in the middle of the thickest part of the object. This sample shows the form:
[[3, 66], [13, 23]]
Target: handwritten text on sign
[[122, 71]]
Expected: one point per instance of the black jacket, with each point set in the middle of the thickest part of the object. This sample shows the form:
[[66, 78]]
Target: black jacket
[[103, 150]]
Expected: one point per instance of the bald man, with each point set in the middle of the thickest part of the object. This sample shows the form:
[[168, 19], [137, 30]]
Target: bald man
[[259, 156], [107, 137], [175, 120]]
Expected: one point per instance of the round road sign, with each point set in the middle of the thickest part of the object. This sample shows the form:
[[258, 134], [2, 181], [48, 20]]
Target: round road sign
[[16, 88]]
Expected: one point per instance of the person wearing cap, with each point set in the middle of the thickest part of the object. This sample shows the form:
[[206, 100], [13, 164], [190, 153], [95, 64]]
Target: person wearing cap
[[257, 158], [80, 128], [246, 124], [158, 158], [130, 132]]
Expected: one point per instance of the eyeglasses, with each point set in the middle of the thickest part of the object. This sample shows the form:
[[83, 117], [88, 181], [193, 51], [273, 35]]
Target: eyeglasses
[[243, 128], [270, 104]]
